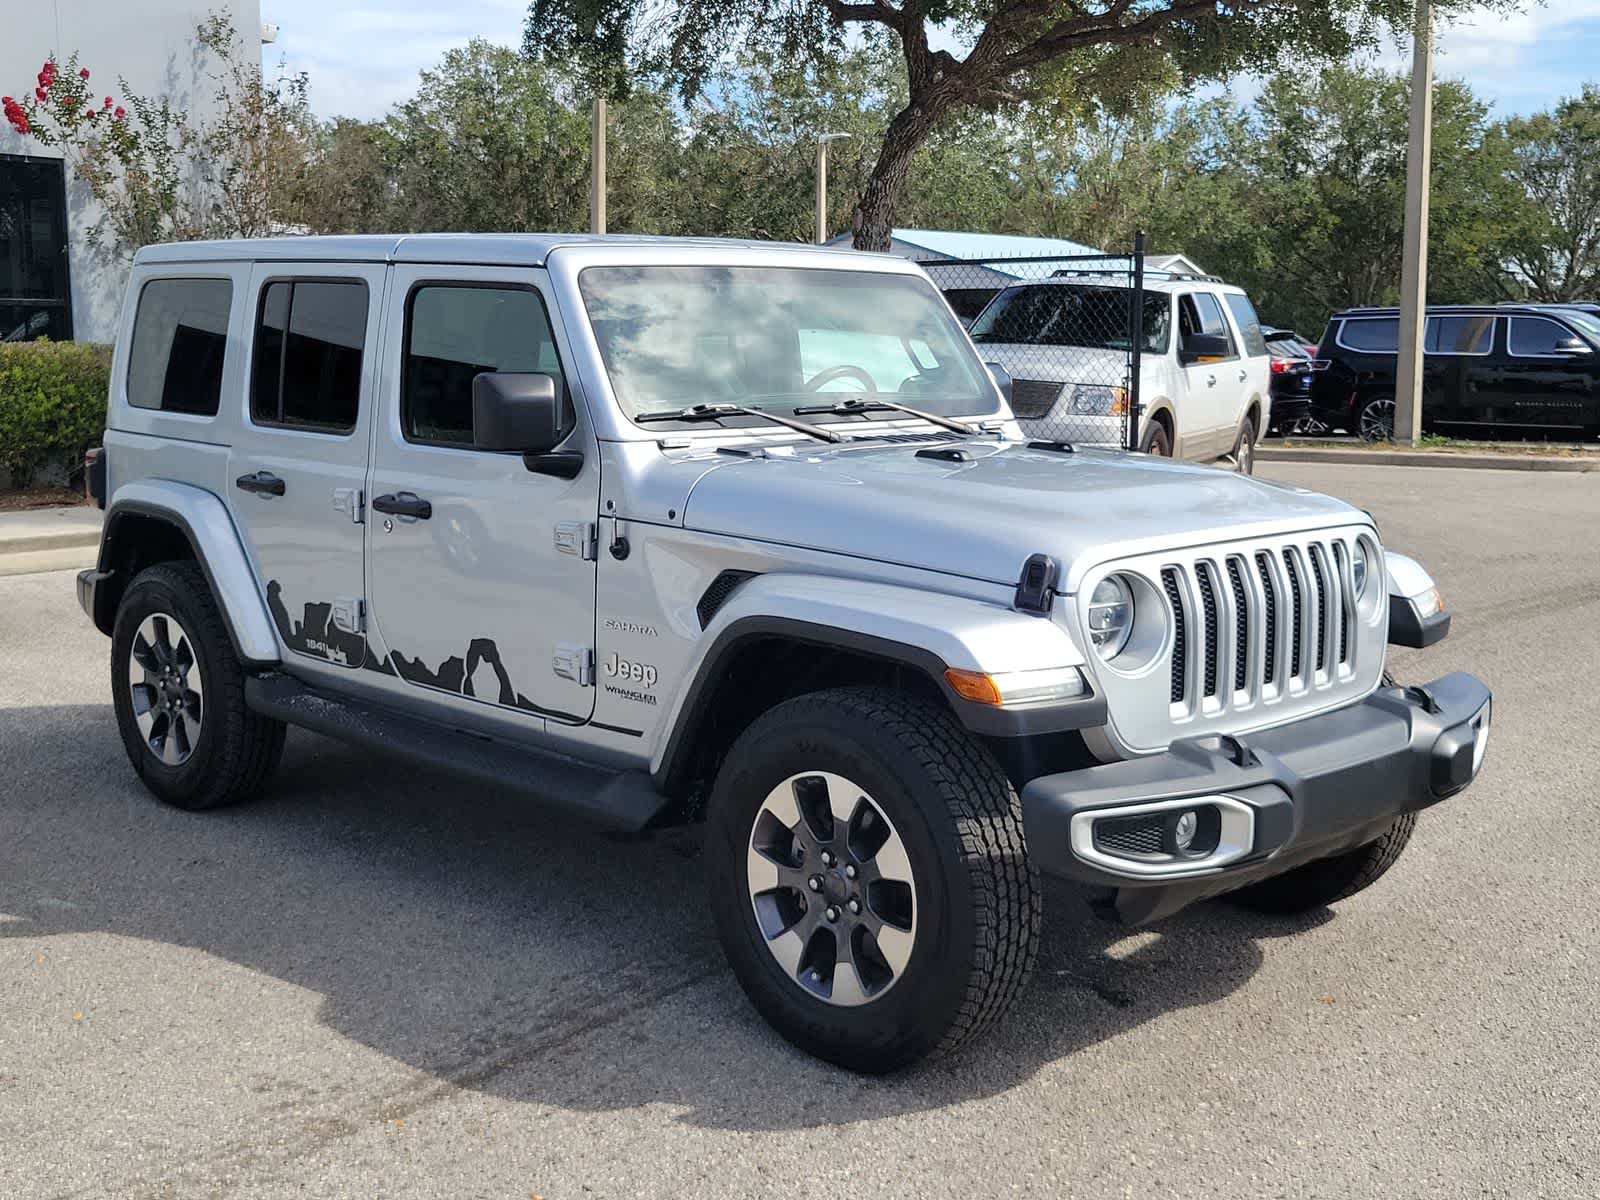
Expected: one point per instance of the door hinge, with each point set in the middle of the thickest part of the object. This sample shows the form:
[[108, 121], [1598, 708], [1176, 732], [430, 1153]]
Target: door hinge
[[575, 663], [578, 537], [352, 501], [350, 614]]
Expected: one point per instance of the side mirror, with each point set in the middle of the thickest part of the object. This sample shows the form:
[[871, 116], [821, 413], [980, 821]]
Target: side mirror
[[516, 411], [1200, 347], [1002, 380]]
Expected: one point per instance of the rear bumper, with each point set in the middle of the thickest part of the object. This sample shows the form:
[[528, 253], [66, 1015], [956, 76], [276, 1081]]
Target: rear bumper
[[1267, 802]]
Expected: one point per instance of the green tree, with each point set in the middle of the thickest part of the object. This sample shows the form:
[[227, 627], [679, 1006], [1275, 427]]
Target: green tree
[[1318, 172], [1553, 159], [1055, 52]]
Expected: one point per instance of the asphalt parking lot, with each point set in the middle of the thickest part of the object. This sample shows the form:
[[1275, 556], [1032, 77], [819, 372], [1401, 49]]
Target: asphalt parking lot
[[373, 983]]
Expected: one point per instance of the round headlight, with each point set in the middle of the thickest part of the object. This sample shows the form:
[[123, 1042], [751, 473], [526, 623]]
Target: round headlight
[[1358, 567], [1110, 616]]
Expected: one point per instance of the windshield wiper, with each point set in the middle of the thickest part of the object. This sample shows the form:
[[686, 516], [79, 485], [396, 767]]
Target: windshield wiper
[[713, 412], [848, 408]]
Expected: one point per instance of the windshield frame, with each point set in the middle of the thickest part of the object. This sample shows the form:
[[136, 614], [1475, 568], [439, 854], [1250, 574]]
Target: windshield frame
[[986, 404]]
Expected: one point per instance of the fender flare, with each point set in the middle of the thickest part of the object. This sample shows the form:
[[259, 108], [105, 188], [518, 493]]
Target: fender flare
[[204, 521], [924, 631]]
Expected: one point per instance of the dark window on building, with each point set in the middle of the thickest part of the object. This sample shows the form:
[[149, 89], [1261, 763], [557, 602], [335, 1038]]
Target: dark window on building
[[180, 338], [310, 334], [35, 299], [455, 333]]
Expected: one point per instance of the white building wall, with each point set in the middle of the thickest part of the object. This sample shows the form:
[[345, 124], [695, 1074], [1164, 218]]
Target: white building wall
[[150, 43]]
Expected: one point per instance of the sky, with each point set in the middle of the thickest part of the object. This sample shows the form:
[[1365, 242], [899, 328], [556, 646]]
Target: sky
[[363, 58]]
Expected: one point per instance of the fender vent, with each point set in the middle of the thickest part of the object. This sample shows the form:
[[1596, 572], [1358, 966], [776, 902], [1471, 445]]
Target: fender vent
[[717, 593]]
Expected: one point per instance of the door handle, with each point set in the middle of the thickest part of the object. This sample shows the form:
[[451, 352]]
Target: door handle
[[1211, 381], [260, 483], [403, 504], [1243, 375]]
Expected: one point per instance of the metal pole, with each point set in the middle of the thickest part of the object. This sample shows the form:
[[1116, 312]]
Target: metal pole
[[597, 167], [1135, 340], [1414, 266], [822, 190]]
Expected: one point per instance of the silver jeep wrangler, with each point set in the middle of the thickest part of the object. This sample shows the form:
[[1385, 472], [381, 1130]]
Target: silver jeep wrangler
[[659, 531]]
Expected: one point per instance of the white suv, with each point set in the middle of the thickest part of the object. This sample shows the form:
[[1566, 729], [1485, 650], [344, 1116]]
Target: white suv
[[1064, 342]]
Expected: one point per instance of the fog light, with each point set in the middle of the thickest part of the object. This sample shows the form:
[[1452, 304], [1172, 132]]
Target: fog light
[[1183, 831], [1192, 832]]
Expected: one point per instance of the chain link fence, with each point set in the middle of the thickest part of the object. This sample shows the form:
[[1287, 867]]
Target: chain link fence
[[1066, 332]]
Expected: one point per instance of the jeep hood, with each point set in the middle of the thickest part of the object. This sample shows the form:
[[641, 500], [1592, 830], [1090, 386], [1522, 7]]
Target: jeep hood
[[982, 518]]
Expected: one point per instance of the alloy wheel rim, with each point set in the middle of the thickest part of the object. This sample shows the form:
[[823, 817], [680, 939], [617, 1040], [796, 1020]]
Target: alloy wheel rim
[[831, 889], [165, 686], [1246, 456], [1377, 421]]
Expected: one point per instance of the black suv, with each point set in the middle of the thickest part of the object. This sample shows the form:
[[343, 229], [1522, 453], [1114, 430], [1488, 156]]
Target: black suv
[[1529, 370]]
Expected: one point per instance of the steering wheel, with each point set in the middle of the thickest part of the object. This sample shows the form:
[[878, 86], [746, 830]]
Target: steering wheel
[[842, 371]]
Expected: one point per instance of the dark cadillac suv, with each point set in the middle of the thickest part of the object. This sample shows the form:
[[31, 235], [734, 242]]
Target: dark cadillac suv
[[1489, 371]]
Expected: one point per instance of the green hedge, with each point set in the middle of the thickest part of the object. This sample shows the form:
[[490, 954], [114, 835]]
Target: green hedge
[[52, 405]]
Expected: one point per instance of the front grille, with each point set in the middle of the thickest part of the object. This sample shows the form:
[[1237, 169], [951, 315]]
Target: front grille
[[1032, 399], [1253, 623], [1180, 636]]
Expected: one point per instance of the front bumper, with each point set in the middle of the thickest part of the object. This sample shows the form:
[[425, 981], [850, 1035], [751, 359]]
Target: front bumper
[[1266, 802]]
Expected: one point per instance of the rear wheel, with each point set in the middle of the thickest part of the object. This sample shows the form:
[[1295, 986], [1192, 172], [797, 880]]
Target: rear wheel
[[869, 878], [1375, 420], [178, 692]]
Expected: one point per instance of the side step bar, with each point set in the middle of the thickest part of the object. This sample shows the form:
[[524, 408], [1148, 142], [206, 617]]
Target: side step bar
[[619, 800]]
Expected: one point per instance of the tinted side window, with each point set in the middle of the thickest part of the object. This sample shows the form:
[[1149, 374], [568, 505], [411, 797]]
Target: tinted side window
[[454, 333], [180, 339], [309, 339], [1539, 336], [1244, 315], [1202, 314], [1459, 335], [1380, 335]]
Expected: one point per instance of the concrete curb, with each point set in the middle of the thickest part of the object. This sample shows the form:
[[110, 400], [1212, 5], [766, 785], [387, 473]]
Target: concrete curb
[[1430, 458], [50, 539]]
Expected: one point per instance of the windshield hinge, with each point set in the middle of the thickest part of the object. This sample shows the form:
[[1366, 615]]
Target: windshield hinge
[[1036, 589]]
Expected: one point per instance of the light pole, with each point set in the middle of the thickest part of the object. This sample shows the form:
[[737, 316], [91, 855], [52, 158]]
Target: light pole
[[1414, 256], [597, 166], [822, 182]]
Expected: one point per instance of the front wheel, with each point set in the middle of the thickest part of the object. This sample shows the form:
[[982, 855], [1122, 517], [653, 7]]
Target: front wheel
[[869, 878], [1157, 441]]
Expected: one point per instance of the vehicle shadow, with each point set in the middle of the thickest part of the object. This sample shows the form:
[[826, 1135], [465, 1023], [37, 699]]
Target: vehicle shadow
[[472, 937]]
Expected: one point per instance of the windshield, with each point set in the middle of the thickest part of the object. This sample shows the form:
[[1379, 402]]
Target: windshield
[[1584, 321], [1055, 315], [778, 338]]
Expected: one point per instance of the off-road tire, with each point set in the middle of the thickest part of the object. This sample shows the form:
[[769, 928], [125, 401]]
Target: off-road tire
[[237, 749], [978, 898], [1157, 441], [1329, 880]]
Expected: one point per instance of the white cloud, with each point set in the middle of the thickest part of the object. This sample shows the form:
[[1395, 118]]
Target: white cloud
[[364, 58]]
